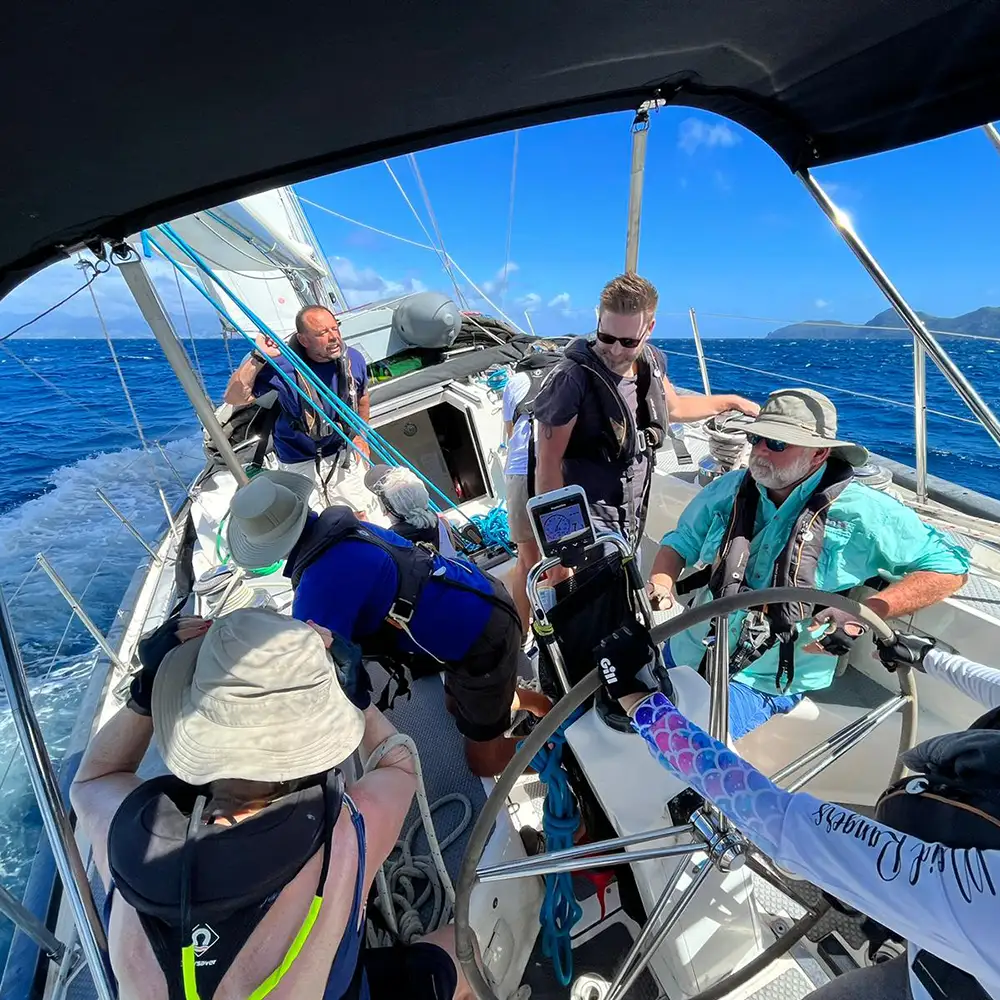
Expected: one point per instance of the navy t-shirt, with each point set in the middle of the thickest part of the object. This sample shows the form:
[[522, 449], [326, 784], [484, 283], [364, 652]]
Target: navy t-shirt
[[350, 588], [290, 443]]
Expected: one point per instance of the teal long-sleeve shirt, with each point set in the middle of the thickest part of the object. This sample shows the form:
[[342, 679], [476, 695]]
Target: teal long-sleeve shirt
[[868, 534]]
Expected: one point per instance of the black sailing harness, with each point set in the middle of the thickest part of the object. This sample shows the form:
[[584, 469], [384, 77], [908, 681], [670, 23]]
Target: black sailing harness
[[536, 366], [415, 565], [795, 567], [952, 801], [624, 436], [191, 883]]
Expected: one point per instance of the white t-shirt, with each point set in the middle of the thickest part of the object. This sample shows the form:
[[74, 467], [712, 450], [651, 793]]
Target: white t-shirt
[[517, 447]]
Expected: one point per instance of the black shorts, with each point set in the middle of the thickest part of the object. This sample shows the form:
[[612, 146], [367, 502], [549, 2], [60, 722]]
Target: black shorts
[[479, 689], [420, 971]]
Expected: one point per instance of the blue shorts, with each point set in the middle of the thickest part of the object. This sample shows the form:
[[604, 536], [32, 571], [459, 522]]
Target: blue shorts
[[748, 707]]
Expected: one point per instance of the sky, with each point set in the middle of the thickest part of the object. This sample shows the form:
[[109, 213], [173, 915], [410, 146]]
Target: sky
[[726, 229]]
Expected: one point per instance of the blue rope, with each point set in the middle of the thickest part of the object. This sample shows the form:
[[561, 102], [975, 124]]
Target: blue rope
[[493, 526], [560, 818], [497, 379]]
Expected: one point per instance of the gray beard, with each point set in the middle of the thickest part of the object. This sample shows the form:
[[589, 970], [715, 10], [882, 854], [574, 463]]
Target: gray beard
[[771, 478]]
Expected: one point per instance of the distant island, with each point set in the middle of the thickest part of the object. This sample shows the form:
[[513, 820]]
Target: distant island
[[984, 321]]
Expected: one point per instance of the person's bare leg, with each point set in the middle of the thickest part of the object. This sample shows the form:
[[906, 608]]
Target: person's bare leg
[[444, 938], [489, 758], [527, 556]]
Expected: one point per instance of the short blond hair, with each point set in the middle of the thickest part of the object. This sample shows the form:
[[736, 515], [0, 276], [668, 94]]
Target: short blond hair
[[629, 295]]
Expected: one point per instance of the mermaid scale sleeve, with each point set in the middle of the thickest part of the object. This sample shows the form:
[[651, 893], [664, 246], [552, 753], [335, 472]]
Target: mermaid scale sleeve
[[749, 799]]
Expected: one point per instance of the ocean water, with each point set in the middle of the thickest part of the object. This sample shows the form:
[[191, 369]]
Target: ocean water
[[73, 432]]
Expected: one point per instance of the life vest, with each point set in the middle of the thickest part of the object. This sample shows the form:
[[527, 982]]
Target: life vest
[[189, 882], [794, 567], [952, 800], [415, 565], [536, 366], [309, 422], [624, 436]]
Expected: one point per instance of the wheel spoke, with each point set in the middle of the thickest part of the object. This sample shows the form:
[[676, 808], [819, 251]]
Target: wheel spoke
[[619, 989], [545, 865], [583, 850], [835, 746]]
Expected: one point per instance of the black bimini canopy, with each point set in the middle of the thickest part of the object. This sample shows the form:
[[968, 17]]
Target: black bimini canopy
[[119, 116]]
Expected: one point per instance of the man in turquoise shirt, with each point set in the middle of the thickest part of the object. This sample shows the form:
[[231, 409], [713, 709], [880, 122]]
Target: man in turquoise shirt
[[866, 534]]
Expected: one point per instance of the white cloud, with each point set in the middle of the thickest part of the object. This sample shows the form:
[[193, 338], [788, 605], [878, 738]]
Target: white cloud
[[501, 279], [561, 301], [821, 303], [530, 301], [722, 181], [696, 132], [363, 285]]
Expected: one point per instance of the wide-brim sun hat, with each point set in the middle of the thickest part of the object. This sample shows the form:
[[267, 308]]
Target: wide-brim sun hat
[[256, 698], [807, 418], [266, 518]]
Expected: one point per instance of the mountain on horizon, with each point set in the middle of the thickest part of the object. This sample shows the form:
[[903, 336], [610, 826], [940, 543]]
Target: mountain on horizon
[[984, 321]]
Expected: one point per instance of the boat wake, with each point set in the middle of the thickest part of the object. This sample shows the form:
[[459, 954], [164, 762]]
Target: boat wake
[[96, 557]]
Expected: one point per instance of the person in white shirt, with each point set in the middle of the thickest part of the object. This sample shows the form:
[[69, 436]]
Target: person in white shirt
[[518, 397], [937, 890]]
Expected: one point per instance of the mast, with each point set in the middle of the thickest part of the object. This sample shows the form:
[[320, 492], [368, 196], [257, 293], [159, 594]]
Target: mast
[[640, 133], [148, 301]]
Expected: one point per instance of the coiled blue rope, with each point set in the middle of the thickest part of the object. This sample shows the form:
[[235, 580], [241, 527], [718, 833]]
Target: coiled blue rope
[[493, 526], [496, 379], [560, 818]]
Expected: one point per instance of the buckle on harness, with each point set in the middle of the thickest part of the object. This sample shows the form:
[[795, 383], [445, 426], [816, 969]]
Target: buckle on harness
[[401, 611]]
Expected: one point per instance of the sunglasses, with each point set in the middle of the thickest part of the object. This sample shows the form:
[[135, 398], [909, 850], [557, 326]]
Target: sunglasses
[[769, 443], [606, 338]]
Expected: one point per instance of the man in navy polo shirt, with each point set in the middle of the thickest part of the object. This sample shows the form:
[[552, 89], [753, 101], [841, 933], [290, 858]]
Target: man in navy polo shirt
[[303, 441]]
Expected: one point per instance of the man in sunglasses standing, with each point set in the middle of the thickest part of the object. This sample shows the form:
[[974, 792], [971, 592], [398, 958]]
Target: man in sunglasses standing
[[603, 412], [796, 517]]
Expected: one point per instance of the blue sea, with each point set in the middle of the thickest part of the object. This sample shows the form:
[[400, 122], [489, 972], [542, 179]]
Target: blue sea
[[68, 430]]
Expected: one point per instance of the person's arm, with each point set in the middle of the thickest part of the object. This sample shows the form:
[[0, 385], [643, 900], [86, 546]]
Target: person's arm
[[979, 682], [240, 388], [938, 898], [383, 794], [667, 566], [682, 546], [550, 446], [107, 776], [913, 592], [685, 408], [364, 412]]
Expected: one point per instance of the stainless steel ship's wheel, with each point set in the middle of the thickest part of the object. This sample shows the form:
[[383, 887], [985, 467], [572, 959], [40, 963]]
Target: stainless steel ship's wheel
[[708, 832]]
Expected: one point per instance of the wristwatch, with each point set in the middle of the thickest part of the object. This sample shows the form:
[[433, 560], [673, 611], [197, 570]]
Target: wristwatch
[[258, 357]]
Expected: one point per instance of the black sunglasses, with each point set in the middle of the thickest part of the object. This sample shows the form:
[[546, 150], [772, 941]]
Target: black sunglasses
[[771, 444], [606, 338]]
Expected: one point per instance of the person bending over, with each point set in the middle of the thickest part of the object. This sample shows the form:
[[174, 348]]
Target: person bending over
[[245, 870], [796, 517], [927, 867], [405, 502], [409, 608]]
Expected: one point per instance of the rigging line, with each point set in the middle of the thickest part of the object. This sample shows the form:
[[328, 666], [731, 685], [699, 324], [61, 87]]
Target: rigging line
[[823, 385], [847, 326], [187, 322], [364, 225], [131, 406], [438, 250], [72, 617], [510, 218], [421, 246], [240, 250], [412, 157], [97, 271]]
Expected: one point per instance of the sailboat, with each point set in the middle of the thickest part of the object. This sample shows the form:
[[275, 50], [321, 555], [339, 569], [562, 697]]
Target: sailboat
[[818, 84]]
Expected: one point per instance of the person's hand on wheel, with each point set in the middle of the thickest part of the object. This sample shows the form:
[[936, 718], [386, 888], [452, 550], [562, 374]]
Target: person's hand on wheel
[[661, 594], [907, 650], [844, 629], [151, 650], [621, 657]]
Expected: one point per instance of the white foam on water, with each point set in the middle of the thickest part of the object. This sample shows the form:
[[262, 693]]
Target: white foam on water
[[96, 557]]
